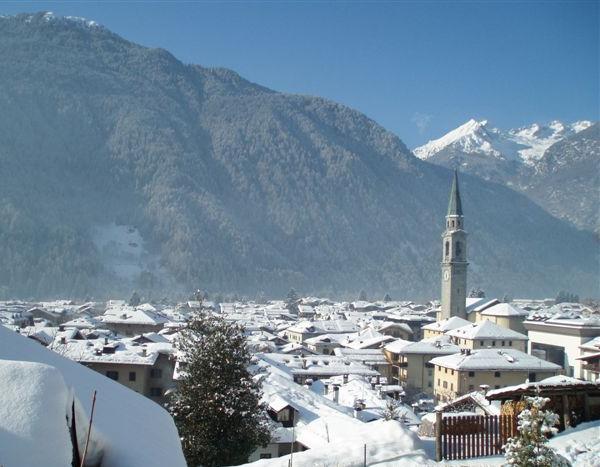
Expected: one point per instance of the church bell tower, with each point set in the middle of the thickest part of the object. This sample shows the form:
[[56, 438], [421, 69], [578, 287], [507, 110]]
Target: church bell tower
[[454, 259]]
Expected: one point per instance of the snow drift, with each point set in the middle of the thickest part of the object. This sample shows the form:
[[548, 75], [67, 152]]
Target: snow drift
[[135, 431]]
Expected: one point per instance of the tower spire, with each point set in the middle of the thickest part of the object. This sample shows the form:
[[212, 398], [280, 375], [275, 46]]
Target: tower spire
[[454, 205], [454, 258]]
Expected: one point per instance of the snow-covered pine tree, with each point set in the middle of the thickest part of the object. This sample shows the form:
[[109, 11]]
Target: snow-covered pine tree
[[529, 448], [392, 409], [217, 406], [291, 301]]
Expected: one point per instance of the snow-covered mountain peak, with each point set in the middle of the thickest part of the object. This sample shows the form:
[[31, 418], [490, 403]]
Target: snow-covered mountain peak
[[50, 17], [472, 136], [527, 143]]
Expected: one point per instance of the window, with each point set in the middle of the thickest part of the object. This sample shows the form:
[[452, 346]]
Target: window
[[113, 375], [156, 392], [429, 384], [496, 374], [493, 343], [429, 372], [447, 248], [532, 377], [458, 249], [265, 455], [156, 373], [452, 372], [132, 376], [497, 386], [481, 343], [502, 343], [452, 386], [510, 343], [438, 381], [445, 370], [445, 385], [471, 374], [471, 387], [283, 415]]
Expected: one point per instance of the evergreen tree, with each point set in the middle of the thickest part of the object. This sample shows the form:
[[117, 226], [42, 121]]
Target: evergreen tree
[[566, 297], [217, 406], [291, 301], [387, 298], [135, 299], [529, 448], [392, 409]]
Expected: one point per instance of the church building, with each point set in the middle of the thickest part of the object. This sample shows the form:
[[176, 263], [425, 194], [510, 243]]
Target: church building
[[454, 259]]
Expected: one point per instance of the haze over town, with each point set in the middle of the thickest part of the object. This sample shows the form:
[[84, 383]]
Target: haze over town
[[278, 234]]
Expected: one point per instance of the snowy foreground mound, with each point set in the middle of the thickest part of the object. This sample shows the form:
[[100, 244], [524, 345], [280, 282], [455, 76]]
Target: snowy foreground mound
[[35, 399], [34, 402], [388, 443], [580, 445]]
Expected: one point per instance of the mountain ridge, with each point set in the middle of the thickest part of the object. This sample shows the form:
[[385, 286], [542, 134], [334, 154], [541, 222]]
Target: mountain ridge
[[230, 187], [527, 160]]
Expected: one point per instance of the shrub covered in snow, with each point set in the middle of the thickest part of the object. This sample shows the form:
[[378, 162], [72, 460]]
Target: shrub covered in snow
[[529, 448]]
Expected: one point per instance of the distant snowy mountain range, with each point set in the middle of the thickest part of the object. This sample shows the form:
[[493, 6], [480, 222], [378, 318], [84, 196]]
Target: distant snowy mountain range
[[526, 144], [556, 164]]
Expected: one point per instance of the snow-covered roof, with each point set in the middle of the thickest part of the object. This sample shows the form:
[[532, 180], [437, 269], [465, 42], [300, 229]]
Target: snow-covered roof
[[391, 325], [326, 338], [503, 309], [357, 388], [317, 365], [397, 345], [440, 345], [592, 345], [553, 382], [447, 324], [136, 431], [131, 315], [363, 343], [494, 359], [124, 351], [485, 330], [475, 397], [329, 429], [278, 403], [483, 304], [366, 356]]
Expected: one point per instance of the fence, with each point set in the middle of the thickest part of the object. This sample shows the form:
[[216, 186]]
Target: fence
[[466, 436]]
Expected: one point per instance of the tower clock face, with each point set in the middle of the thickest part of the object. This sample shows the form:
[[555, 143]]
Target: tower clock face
[[446, 275]]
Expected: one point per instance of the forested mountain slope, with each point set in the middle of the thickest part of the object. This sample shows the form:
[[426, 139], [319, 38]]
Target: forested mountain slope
[[229, 186]]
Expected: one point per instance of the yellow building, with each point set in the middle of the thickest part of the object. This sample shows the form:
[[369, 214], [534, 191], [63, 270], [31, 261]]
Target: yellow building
[[486, 334], [410, 361], [469, 370]]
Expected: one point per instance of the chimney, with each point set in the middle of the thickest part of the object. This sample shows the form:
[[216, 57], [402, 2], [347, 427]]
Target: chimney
[[144, 352], [63, 340], [61, 327], [345, 379], [106, 341], [336, 393]]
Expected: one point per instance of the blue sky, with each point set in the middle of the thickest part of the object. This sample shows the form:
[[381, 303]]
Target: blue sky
[[418, 68]]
